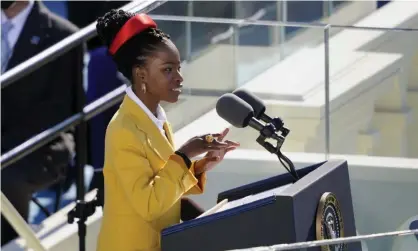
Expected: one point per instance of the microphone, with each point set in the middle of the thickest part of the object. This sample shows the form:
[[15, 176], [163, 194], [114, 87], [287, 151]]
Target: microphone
[[259, 110], [240, 114]]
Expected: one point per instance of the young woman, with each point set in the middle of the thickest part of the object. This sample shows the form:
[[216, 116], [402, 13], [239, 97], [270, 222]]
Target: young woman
[[145, 176]]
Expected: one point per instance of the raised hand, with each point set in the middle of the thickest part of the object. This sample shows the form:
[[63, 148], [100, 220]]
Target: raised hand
[[213, 157]]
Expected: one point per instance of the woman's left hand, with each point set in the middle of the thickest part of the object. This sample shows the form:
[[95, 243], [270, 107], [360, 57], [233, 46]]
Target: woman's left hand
[[212, 158]]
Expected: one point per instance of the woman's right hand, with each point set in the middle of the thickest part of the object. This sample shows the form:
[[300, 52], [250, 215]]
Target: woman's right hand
[[198, 145]]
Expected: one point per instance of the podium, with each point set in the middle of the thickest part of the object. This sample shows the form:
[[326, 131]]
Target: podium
[[274, 211]]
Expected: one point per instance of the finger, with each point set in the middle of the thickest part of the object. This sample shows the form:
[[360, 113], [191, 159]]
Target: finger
[[211, 159], [231, 143], [206, 160], [213, 148], [215, 135], [230, 149], [223, 134], [219, 144]]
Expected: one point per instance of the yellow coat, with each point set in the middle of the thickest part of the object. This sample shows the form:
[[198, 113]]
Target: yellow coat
[[144, 182]]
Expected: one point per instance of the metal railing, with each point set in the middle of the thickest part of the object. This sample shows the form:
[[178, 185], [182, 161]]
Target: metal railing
[[113, 97], [67, 44], [329, 242]]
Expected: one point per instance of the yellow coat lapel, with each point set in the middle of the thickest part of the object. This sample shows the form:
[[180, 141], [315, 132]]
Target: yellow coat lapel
[[169, 133], [155, 140]]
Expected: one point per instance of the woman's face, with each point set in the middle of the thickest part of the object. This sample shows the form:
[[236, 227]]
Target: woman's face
[[162, 73]]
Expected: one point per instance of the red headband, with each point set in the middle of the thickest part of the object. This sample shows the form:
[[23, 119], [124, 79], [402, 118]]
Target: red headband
[[132, 27]]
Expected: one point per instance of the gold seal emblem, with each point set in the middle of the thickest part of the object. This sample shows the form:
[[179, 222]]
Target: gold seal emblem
[[329, 222]]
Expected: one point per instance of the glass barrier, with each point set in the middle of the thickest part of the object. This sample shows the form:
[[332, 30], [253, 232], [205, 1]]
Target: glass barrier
[[304, 11], [338, 12], [371, 83], [256, 55], [373, 92], [382, 202], [242, 58], [373, 111], [370, 111]]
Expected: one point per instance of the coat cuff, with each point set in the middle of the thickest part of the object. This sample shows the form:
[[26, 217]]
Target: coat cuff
[[201, 177], [188, 179]]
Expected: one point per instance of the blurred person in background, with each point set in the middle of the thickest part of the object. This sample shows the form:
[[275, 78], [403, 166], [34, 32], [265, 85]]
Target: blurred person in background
[[83, 13], [102, 78], [36, 102]]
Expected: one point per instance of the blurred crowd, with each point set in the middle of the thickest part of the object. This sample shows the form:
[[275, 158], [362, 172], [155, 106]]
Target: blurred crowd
[[48, 96]]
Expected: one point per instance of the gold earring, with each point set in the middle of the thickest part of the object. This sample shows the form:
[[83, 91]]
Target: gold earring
[[143, 88]]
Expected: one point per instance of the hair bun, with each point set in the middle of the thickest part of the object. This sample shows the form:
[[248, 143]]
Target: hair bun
[[109, 25]]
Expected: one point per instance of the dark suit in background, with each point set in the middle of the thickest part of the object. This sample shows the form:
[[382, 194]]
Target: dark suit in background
[[83, 13], [35, 103], [102, 79]]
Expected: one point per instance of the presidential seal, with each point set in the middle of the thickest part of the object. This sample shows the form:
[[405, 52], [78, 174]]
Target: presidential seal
[[329, 222]]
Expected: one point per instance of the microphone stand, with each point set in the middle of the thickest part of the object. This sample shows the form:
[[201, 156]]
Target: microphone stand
[[82, 211], [266, 133]]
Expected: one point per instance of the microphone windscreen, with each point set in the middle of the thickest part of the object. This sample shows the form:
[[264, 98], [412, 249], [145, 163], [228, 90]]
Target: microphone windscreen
[[234, 110], [255, 102]]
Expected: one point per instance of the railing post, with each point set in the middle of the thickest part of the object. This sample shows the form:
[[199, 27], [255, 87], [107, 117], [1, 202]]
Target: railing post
[[19, 224], [327, 8], [326, 80], [279, 32], [80, 163], [189, 31]]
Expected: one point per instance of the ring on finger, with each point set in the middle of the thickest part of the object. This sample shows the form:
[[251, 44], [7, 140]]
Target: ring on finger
[[209, 138]]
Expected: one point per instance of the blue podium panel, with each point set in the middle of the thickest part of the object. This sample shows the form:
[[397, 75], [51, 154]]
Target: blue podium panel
[[274, 211]]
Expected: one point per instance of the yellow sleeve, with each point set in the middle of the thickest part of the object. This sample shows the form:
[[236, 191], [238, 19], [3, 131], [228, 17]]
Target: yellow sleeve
[[150, 194], [199, 188]]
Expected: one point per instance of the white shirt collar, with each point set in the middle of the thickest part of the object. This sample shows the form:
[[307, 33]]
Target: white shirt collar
[[18, 22], [161, 116]]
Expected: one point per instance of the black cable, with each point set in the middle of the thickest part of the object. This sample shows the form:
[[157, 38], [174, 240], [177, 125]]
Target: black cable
[[285, 166], [57, 201], [43, 209], [58, 196], [290, 167], [288, 170]]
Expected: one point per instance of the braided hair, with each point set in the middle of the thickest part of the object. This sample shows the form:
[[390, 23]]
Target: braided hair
[[136, 50]]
